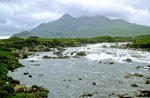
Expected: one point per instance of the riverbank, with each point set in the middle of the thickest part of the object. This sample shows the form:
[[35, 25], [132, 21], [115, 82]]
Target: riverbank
[[15, 48]]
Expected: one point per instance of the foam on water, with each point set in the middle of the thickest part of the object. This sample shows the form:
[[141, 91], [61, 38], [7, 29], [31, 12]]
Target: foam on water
[[100, 56], [99, 52]]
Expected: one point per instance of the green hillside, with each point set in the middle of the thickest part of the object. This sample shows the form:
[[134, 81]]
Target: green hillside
[[85, 27]]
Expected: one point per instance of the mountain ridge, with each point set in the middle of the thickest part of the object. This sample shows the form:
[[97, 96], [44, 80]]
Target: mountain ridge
[[85, 27]]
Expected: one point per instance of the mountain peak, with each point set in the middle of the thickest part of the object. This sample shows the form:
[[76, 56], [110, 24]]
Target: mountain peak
[[66, 16]]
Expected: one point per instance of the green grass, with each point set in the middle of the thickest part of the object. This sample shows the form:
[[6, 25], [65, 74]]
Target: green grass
[[142, 42]]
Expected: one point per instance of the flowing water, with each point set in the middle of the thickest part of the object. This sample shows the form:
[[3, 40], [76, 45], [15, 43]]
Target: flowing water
[[71, 78]]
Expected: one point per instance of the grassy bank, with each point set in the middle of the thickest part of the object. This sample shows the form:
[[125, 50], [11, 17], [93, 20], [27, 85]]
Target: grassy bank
[[142, 42], [9, 60]]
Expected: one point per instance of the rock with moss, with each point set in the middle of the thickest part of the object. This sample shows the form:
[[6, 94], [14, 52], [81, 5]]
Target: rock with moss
[[20, 88]]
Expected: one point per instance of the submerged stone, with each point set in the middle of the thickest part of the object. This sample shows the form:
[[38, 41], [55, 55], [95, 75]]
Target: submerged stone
[[127, 75]]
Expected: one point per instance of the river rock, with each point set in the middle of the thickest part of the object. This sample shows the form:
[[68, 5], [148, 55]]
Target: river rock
[[94, 83], [134, 85], [25, 73], [35, 64], [30, 76], [88, 94], [127, 75], [40, 48], [46, 57], [144, 93], [104, 46], [80, 78], [137, 75], [73, 52], [128, 60], [61, 49], [81, 53], [57, 52], [29, 90], [20, 88], [147, 82], [63, 57], [100, 62], [41, 75], [125, 96], [23, 54], [138, 67], [109, 62], [32, 61], [88, 48], [76, 56]]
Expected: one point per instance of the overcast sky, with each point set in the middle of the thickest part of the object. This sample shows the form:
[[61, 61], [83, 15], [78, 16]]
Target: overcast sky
[[19, 15]]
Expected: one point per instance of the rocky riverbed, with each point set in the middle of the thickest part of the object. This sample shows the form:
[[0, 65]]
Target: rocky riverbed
[[96, 70]]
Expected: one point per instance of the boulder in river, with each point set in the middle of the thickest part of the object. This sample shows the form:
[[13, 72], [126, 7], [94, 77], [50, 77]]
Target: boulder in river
[[104, 46], [100, 62], [109, 62], [94, 83], [137, 75], [30, 76], [147, 82], [80, 78], [63, 57], [138, 67], [46, 57], [57, 52], [144, 93], [25, 73], [20, 88], [32, 61], [81, 53], [124, 96], [134, 85], [88, 94], [128, 60]]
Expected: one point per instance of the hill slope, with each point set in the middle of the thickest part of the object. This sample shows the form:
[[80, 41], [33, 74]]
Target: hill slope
[[83, 27]]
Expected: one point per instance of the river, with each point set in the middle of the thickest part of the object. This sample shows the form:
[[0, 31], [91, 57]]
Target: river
[[94, 73]]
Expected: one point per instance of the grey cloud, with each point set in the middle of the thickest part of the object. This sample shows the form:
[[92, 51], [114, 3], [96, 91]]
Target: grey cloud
[[19, 15]]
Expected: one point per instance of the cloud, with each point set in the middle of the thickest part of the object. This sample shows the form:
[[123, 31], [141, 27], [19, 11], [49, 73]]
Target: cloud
[[19, 15]]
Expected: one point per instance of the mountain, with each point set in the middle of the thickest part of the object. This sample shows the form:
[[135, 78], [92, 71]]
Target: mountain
[[23, 34], [83, 27]]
